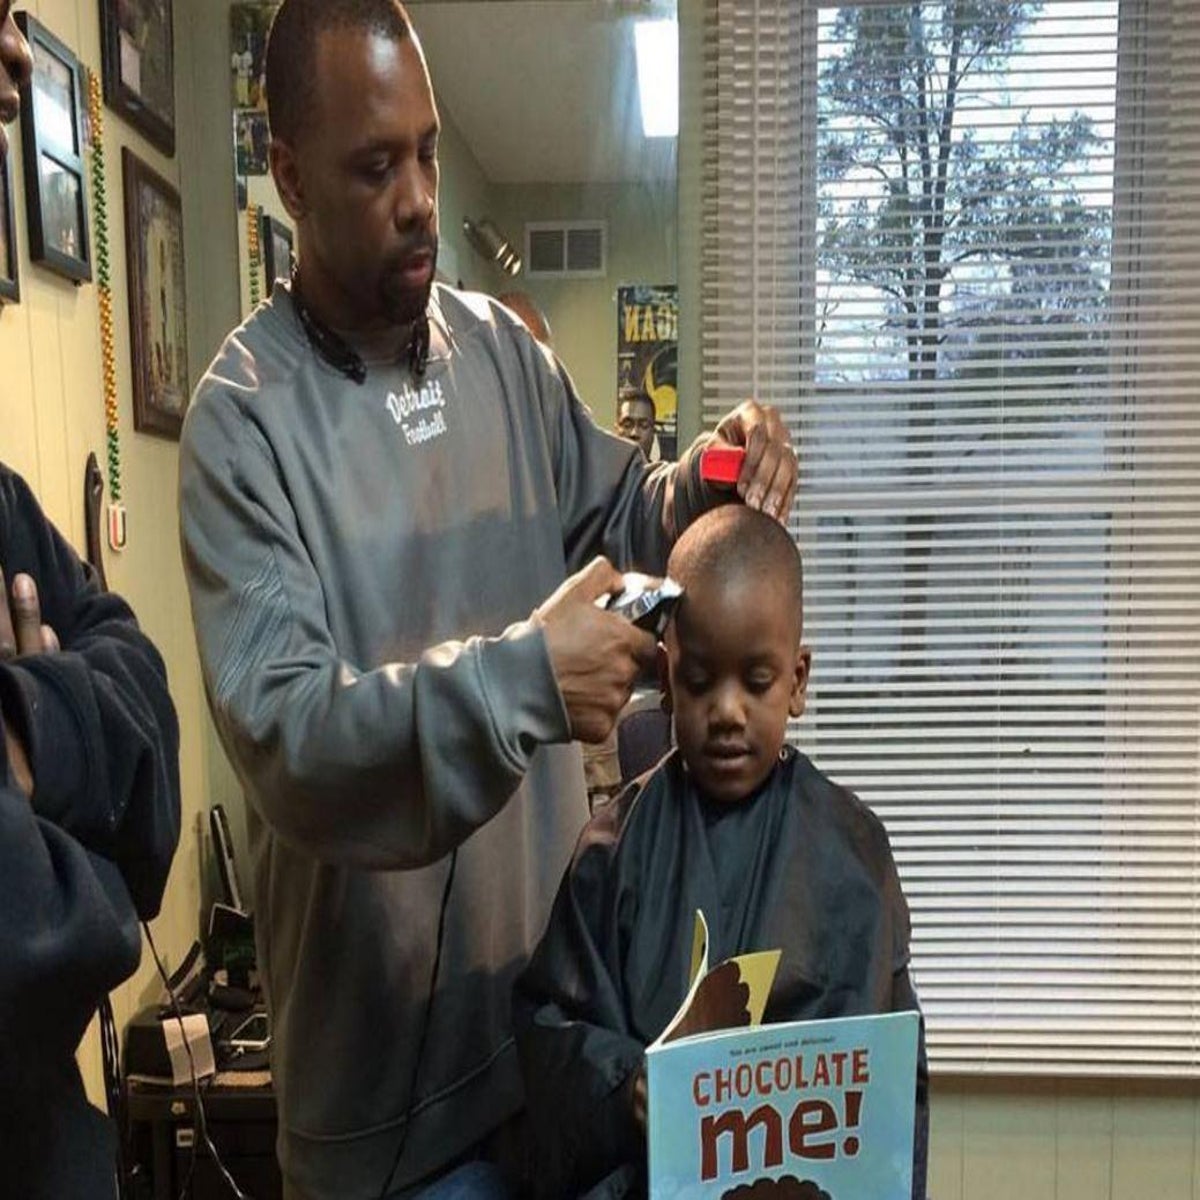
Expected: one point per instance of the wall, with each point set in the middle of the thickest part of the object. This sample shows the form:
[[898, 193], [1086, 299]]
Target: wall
[[1050, 1139], [53, 416], [583, 312], [463, 191]]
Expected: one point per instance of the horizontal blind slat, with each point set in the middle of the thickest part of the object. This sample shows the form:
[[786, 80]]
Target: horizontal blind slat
[[999, 501]]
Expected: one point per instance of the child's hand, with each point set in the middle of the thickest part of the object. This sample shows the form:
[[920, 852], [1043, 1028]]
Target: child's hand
[[638, 1097]]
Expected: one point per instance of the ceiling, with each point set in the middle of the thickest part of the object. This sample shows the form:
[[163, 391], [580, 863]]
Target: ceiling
[[544, 91]]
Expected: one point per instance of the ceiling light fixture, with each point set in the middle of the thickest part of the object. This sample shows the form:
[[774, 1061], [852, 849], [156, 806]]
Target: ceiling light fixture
[[488, 241], [657, 46]]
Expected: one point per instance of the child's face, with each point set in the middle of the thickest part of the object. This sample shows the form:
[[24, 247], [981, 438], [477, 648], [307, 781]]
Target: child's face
[[735, 674]]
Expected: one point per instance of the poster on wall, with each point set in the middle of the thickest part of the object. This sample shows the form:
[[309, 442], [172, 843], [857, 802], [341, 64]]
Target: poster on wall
[[648, 355], [248, 27]]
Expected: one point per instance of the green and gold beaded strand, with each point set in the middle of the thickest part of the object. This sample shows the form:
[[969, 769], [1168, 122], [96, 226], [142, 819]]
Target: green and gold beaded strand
[[254, 252], [116, 511]]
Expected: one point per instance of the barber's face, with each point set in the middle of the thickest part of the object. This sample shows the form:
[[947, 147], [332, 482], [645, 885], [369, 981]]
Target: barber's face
[[15, 66], [363, 177]]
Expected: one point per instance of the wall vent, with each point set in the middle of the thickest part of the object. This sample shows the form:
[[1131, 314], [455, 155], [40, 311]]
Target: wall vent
[[558, 249]]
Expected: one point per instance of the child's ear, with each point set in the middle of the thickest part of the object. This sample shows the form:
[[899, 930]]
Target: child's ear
[[664, 680], [799, 695]]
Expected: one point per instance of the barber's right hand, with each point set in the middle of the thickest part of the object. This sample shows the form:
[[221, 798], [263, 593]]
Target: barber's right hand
[[596, 655]]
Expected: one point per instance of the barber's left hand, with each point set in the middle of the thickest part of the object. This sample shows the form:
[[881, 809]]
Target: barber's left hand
[[21, 632], [768, 478]]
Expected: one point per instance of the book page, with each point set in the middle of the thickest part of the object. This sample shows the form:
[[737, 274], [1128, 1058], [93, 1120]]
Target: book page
[[733, 994]]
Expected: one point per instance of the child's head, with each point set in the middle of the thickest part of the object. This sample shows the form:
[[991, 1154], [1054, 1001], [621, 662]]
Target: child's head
[[735, 665]]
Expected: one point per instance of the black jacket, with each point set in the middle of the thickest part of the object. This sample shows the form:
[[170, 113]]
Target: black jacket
[[83, 859], [803, 866]]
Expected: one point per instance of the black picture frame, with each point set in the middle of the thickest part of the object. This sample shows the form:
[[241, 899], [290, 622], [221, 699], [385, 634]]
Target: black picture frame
[[157, 288], [10, 270], [137, 40], [277, 243], [52, 147]]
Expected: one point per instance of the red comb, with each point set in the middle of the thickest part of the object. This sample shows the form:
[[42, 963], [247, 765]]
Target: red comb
[[722, 464]]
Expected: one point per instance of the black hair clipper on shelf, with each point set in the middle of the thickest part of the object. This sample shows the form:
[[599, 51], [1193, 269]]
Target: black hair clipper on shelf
[[644, 601]]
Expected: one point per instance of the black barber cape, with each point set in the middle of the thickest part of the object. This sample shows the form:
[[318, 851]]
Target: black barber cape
[[82, 859], [803, 866]]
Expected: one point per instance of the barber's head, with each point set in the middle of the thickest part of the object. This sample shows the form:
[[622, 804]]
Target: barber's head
[[15, 66], [635, 420], [354, 138]]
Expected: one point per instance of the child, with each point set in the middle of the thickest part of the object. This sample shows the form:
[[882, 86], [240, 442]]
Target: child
[[733, 822]]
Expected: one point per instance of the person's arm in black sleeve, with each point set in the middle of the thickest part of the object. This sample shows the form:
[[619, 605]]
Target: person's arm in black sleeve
[[578, 1056], [70, 935], [95, 718]]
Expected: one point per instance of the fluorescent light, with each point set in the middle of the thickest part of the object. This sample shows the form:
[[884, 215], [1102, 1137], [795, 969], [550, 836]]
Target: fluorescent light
[[657, 45]]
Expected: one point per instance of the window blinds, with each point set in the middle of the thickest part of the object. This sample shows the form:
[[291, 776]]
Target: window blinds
[[956, 243]]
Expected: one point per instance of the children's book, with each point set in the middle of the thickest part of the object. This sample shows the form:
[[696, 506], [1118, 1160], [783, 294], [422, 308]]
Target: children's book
[[734, 993], [803, 1110]]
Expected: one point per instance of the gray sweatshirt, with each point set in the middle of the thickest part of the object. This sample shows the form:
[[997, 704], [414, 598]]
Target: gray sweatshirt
[[363, 562]]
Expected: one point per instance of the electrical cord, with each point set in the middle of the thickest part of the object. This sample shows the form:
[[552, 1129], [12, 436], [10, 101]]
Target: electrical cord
[[201, 1115], [114, 1097], [416, 1071]]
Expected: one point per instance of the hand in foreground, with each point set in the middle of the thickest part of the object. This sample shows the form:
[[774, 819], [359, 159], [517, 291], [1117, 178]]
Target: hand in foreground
[[638, 1096], [21, 632], [768, 478], [596, 655]]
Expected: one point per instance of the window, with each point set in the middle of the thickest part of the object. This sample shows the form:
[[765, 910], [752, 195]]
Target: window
[[952, 241]]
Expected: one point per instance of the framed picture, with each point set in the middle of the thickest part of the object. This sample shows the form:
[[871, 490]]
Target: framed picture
[[10, 279], [248, 28], [51, 138], [138, 53], [157, 304], [276, 240], [251, 141]]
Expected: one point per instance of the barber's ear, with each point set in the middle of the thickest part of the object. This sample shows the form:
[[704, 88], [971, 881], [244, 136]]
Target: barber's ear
[[664, 680], [286, 171], [799, 695]]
